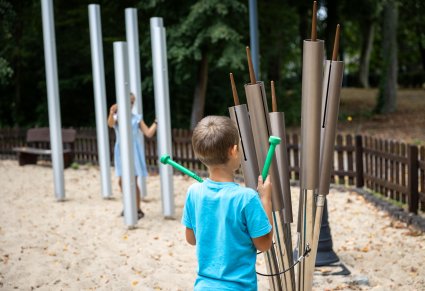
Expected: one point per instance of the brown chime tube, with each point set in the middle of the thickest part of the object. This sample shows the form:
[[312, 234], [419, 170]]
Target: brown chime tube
[[332, 82], [239, 114], [258, 112], [250, 168], [277, 123], [312, 78], [260, 123]]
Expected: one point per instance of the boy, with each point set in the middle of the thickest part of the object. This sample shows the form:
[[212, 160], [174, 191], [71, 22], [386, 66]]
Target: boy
[[225, 221]]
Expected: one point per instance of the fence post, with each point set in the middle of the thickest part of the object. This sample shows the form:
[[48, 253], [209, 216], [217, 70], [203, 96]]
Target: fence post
[[359, 161], [412, 176]]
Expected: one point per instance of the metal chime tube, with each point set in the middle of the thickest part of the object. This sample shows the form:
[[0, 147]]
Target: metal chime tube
[[239, 115], [53, 98], [277, 122], [331, 96], [132, 36], [100, 99], [162, 110], [125, 136], [312, 78], [257, 105], [250, 167]]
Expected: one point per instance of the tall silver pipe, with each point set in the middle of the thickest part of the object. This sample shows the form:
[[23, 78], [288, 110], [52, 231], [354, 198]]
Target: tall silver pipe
[[55, 123], [312, 78], [132, 36], [125, 133], [100, 99], [253, 33], [162, 109]]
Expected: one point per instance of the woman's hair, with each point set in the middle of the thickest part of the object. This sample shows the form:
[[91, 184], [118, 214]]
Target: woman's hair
[[212, 138]]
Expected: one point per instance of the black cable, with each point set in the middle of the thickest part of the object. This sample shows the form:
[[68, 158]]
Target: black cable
[[307, 251]]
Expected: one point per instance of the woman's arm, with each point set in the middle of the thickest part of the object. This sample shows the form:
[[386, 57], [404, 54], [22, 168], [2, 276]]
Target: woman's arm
[[148, 131], [111, 119]]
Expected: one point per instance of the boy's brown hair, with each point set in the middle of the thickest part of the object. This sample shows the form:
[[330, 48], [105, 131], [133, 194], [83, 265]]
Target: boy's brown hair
[[212, 138]]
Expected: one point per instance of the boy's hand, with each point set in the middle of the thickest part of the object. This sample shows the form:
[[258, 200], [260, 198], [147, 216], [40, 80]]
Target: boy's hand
[[264, 189]]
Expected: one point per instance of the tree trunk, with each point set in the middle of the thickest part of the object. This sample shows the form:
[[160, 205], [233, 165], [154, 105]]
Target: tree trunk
[[421, 50], [199, 95], [387, 99], [367, 45]]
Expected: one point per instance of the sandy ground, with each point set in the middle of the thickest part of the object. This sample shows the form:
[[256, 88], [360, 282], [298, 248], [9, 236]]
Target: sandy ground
[[83, 243]]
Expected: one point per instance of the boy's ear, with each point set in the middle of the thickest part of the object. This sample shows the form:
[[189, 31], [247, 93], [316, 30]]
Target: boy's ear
[[234, 150]]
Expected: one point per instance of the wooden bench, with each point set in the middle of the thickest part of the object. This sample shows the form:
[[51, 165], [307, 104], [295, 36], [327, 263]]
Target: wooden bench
[[38, 144]]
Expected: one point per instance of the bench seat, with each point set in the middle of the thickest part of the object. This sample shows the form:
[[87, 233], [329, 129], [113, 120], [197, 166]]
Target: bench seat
[[40, 138]]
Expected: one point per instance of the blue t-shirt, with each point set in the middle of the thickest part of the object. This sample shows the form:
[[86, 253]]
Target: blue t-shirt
[[225, 217]]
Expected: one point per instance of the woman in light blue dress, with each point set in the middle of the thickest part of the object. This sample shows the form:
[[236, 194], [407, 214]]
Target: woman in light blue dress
[[137, 125]]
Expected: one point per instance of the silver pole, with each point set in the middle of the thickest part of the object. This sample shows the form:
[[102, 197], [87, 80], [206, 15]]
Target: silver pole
[[100, 99], [253, 32], [53, 98], [162, 110], [132, 34], [125, 133]]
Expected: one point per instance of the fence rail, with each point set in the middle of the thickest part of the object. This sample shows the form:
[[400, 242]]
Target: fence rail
[[394, 169]]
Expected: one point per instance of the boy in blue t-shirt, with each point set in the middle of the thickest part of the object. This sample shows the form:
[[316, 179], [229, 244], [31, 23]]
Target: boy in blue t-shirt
[[228, 223]]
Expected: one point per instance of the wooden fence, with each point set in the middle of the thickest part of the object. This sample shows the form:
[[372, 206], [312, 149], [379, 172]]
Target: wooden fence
[[394, 169]]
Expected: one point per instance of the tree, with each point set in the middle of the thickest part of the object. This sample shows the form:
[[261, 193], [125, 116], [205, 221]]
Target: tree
[[387, 98], [208, 35]]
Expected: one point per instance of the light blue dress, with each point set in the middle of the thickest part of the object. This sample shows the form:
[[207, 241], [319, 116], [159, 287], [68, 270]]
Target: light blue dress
[[139, 154]]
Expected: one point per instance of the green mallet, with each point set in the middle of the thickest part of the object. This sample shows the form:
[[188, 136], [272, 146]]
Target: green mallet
[[274, 141], [165, 159]]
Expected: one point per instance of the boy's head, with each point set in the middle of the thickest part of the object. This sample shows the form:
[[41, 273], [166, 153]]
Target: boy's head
[[212, 139]]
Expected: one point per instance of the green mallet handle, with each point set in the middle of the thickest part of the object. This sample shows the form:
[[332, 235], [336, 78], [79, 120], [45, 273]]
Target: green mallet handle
[[274, 141], [165, 159]]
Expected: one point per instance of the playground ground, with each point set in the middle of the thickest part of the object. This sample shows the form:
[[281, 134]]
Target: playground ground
[[83, 244]]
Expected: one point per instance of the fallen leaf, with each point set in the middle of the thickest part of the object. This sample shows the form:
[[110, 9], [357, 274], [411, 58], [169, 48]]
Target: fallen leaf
[[412, 232], [134, 283]]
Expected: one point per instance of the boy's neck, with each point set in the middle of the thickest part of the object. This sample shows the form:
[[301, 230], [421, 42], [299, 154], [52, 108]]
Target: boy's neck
[[221, 174]]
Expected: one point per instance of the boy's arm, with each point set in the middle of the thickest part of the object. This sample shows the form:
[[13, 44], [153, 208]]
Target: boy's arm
[[263, 243], [190, 236]]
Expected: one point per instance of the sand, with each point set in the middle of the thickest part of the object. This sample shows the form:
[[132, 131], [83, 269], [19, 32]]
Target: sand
[[83, 243]]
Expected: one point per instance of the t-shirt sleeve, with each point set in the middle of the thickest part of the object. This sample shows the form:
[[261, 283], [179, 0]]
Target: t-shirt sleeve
[[187, 213], [256, 218]]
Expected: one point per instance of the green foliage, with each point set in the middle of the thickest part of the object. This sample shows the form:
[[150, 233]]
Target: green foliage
[[75, 166], [218, 29]]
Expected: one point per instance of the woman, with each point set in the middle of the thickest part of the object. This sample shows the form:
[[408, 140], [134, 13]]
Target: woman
[[137, 124]]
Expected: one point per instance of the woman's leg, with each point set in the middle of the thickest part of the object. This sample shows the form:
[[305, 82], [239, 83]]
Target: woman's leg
[[137, 195], [120, 183]]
